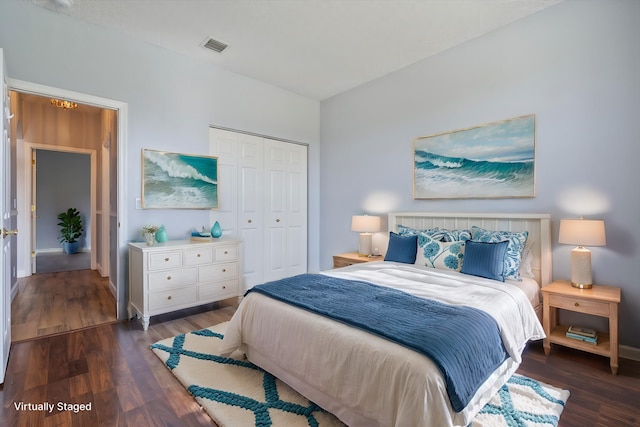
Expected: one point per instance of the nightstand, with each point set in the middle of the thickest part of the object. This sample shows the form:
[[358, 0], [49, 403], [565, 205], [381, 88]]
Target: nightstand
[[600, 301], [350, 258]]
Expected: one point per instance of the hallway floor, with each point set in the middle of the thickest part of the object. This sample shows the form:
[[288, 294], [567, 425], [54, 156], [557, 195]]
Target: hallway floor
[[52, 303]]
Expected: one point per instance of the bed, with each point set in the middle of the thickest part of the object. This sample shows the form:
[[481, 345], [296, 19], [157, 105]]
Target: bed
[[368, 380]]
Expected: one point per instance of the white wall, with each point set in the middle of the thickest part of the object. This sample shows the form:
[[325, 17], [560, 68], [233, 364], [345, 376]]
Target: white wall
[[171, 99], [574, 65]]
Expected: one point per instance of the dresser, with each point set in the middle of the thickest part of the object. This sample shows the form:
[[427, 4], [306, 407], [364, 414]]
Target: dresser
[[180, 274]]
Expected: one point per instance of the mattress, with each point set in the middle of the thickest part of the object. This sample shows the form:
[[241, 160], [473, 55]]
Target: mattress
[[366, 380]]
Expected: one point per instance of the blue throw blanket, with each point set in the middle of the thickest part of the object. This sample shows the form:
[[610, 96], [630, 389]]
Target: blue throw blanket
[[463, 342]]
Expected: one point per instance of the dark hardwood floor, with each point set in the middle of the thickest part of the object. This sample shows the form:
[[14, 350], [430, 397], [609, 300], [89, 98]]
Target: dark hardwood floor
[[58, 302], [111, 368]]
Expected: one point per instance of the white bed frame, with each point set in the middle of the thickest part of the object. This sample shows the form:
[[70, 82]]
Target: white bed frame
[[538, 226]]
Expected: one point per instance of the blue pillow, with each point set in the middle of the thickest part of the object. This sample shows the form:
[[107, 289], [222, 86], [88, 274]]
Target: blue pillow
[[485, 259], [402, 248]]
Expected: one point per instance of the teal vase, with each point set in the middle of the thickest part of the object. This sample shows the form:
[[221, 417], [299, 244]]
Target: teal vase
[[161, 235], [216, 230]]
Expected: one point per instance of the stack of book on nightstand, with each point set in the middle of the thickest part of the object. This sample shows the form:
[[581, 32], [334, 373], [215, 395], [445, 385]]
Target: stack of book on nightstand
[[583, 334]]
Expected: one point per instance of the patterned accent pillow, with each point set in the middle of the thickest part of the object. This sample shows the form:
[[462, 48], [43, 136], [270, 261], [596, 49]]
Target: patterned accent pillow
[[437, 233], [403, 230], [442, 255], [455, 235], [513, 257]]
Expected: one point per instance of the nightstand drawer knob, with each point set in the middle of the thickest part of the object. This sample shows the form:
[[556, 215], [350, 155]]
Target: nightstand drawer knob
[[577, 304], [169, 297]]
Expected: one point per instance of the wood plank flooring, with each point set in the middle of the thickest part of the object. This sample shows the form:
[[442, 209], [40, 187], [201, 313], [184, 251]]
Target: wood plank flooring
[[53, 303], [112, 367]]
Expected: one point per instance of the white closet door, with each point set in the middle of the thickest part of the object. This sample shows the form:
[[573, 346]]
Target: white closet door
[[286, 209], [296, 209], [276, 155], [250, 207], [224, 145]]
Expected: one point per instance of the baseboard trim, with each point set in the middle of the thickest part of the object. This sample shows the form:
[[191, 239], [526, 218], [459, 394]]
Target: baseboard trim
[[628, 352], [57, 251]]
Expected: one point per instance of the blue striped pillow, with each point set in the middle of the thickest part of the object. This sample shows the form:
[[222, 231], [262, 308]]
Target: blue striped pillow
[[402, 248], [485, 259]]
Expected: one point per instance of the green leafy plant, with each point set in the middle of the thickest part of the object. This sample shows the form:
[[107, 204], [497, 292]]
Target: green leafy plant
[[71, 227]]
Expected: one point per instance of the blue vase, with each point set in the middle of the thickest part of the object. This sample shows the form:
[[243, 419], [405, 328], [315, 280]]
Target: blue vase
[[161, 235], [216, 230]]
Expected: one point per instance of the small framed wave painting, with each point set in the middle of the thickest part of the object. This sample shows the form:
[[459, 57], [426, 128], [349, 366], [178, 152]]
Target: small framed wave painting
[[179, 181], [496, 160]]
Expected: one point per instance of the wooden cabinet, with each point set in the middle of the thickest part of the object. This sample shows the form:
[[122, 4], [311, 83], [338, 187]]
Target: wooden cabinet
[[344, 260], [180, 274], [599, 300]]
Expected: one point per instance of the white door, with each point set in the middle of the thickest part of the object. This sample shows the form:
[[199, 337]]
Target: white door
[[286, 209], [250, 218], [7, 233]]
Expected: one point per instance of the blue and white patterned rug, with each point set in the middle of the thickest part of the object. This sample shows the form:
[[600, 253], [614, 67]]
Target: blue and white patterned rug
[[235, 392]]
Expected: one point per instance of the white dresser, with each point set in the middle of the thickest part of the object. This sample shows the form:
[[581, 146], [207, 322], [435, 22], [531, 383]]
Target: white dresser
[[180, 274]]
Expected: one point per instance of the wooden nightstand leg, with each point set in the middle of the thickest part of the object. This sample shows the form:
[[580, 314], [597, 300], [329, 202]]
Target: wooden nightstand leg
[[547, 324], [613, 337]]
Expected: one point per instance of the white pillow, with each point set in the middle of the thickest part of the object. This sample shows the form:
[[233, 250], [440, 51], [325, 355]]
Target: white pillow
[[442, 255]]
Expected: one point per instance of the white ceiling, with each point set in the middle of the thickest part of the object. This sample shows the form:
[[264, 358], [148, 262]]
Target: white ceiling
[[316, 48]]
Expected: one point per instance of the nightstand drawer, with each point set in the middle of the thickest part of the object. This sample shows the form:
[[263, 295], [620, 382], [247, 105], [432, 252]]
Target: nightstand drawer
[[580, 305]]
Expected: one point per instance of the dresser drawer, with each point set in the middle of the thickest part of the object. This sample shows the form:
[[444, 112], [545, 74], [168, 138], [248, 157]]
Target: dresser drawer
[[164, 260], [226, 253], [163, 280], [198, 256], [597, 308], [218, 272], [175, 297], [217, 290]]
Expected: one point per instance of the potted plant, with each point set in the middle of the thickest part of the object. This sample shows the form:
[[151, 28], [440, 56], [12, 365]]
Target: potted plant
[[71, 229]]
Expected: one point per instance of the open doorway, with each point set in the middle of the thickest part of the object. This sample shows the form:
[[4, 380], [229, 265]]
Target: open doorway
[[89, 131], [62, 180]]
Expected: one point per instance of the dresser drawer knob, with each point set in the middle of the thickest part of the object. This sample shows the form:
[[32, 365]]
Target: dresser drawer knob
[[577, 304], [166, 259], [169, 297], [226, 252], [249, 221], [198, 255], [224, 287], [224, 270], [168, 277]]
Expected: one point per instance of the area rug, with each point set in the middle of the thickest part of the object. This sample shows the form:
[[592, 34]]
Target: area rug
[[235, 392]]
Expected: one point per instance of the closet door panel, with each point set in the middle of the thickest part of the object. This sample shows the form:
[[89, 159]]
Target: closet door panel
[[250, 207], [223, 144]]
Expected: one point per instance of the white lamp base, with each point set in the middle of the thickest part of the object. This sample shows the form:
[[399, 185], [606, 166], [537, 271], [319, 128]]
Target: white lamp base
[[365, 244], [581, 268]]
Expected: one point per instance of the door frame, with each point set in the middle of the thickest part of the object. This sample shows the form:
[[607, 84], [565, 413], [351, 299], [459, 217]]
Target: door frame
[[27, 236], [118, 283]]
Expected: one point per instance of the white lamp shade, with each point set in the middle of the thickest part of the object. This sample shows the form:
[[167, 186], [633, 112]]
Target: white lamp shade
[[365, 223], [582, 232]]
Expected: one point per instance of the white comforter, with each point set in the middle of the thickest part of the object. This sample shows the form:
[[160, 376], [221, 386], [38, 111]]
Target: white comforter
[[364, 379]]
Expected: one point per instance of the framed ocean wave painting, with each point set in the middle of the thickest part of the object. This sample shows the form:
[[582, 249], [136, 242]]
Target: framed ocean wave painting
[[179, 181], [495, 160]]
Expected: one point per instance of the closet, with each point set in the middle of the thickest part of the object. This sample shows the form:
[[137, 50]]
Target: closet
[[263, 202]]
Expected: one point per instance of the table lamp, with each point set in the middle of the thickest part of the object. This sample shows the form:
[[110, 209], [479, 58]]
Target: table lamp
[[581, 232], [366, 225]]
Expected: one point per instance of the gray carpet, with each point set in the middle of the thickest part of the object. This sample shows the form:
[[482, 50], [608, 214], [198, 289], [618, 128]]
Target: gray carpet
[[53, 263]]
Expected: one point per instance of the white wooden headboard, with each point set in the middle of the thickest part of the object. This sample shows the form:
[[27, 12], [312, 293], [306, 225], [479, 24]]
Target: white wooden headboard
[[538, 226]]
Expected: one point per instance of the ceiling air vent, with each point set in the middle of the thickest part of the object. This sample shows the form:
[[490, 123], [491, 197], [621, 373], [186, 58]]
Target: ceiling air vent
[[215, 45]]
